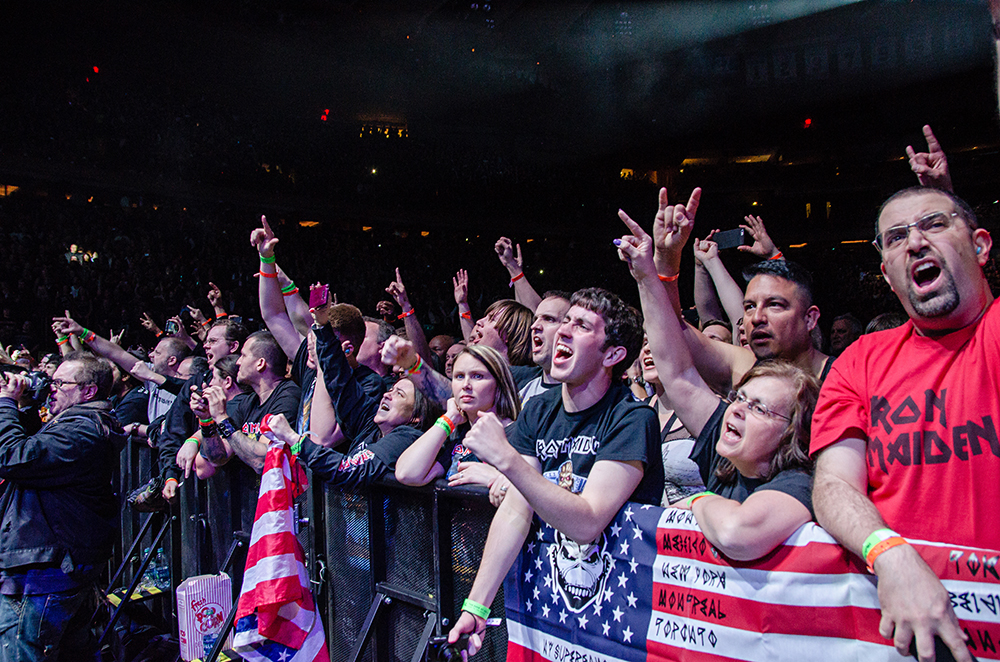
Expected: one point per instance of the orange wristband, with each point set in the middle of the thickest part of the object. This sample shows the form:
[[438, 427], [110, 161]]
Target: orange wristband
[[670, 279], [877, 550]]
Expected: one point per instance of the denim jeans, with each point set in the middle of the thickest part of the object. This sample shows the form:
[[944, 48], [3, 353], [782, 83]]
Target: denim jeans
[[51, 626]]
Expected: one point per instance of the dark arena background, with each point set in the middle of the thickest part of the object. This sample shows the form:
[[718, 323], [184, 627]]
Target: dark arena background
[[376, 134]]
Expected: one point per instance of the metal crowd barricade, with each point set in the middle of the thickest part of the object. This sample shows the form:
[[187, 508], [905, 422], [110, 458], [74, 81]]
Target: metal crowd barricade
[[416, 549]]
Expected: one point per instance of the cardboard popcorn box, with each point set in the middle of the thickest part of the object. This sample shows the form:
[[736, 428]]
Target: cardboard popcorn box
[[203, 602]]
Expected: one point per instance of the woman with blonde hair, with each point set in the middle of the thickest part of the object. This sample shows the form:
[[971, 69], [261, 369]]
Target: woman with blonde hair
[[481, 383]]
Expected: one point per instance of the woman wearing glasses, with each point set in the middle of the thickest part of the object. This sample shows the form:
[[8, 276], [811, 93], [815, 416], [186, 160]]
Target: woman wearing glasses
[[752, 451]]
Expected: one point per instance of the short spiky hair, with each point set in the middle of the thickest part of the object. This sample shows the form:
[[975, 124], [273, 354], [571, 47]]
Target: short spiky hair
[[622, 323], [264, 346], [790, 271]]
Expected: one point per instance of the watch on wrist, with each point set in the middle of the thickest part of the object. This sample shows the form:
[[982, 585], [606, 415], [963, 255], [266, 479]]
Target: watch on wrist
[[226, 428]]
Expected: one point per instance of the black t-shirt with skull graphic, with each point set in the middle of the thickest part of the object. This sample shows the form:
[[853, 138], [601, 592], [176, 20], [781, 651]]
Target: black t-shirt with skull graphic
[[568, 444]]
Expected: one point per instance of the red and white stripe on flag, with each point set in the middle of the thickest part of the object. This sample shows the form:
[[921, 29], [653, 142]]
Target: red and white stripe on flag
[[275, 585], [653, 588], [809, 599]]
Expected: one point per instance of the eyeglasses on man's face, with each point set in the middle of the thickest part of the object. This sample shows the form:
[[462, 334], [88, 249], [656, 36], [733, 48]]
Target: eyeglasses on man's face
[[894, 238]]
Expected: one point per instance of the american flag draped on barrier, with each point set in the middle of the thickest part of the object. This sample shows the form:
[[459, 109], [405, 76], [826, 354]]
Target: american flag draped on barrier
[[277, 619], [653, 588]]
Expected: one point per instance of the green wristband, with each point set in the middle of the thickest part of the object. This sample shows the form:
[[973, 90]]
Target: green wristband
[[192, 440], [475, 608], [875, 538], [267, 260], [694, 497]]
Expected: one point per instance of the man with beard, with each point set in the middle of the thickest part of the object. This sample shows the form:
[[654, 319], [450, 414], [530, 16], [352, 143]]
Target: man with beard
[[904, 429]]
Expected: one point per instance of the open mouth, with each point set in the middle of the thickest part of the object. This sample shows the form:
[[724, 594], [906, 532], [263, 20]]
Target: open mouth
[[537, 342], [925, 273], [731, 433], [562, 353], [384, 406], [647, 362]]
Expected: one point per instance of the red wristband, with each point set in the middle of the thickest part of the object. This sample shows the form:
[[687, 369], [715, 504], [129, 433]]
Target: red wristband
[[466, 315], [267, 275], [777, 256], [406, 313], [670, 279]]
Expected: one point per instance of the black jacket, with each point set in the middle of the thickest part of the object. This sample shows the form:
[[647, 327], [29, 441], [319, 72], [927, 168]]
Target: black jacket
[[57, 502]]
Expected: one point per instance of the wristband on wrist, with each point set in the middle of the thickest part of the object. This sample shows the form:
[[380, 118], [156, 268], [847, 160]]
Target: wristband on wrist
[[171, 479], [288, 294], [289, 289], [777, 256], [206, 322], [221, 315], [62, 340], [466, 315], [445, 424], [264, 274], [267, 260], [881, 547], [159, 333], [875, 538], [415, 368], [516, 278], [700, 495], [475, 608], [87, 336], [406, 313], [192, 440], [670, 279]]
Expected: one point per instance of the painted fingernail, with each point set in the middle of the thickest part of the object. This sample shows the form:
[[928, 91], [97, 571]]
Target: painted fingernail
[[617, 242]]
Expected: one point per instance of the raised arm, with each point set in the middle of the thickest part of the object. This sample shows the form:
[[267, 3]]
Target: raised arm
[[717, 363], [930, 167], [432, 384], [353, 409], [100, 346], [269, 294], [214, 297], [730, 294], [461, 284], [323, 423], [706, 299], [295, 305], [414, 331], [524, 293], [685, 390]]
